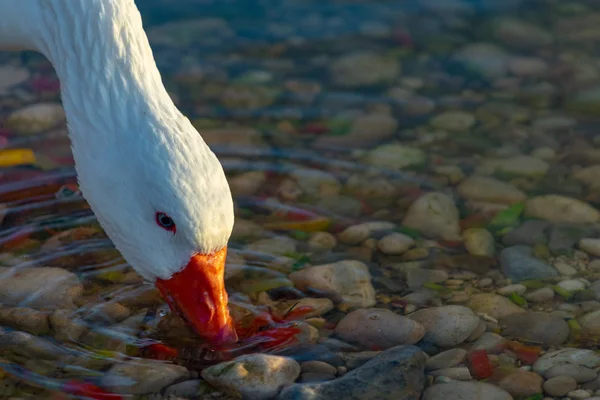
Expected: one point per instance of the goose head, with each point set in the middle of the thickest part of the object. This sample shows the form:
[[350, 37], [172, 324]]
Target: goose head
[[162, 197]]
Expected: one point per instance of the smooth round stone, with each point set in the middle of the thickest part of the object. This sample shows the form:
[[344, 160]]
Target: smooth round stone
[[556, 208], [527, 66], [590, 246], [578, 394], [535, 327], [322, 241], [519, 264], [366, 130], [572, 285], [395, 157], [486, 59], [417, 277], [588, 175], [583, 357], [446, 326], [395, 243], [253, 375], [36, 118], [580, 373], [479, 242], [446, 359], [494, 305], [377, 328], [465, 390], [479, 188], [142, 376], [591, 322], [435, 215], [521, 384], [528, 233], [520, 34], [455, 121], [540, 295], [559, 385], [520, 165], [510, 289], [357, 234], [318, 367], [362, 68], [11, 76]]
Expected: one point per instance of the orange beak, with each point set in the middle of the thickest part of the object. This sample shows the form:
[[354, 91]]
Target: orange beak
[[198, 294]]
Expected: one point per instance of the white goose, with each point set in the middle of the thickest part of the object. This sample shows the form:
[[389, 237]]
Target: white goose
[[157, 189]]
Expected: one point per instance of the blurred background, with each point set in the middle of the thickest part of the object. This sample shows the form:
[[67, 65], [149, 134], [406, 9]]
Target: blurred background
[[448, 148]]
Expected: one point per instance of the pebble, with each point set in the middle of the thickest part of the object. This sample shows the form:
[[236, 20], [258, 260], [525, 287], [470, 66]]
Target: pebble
[[556, 208], [578, 394], [510, 289], [185, 389], [36, 118], [39, 287], [395, 243], [394, 157], [527, 66], [580, 373], [349, 281], [12, 76], [494, 305], [528, 233], [590, 322], [446, 359], [520, 165], [25, 319], [435, 215], [521, 34], [446, 326], [66, 326], [519, 264], [465, 390], [590, 246], [29, 346], [141, 376], [318, 367], [486, 59], [396, 373], [521, 384], [366, 130], [355, 359], [559, 385], [572, 285], [479, 188], [364, 68], [254, 376], [479, 242], [357, 234], [322, 241], [377, 328], [454, 121], [540, 295], [536, 327], [587, 358]]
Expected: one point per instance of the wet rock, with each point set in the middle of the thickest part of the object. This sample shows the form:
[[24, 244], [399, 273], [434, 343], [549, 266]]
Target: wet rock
[[519, 264], [356, 234], [364, 68], [65, 326], [590, 246], [247, 183], [582, 357], [588, 175], [485, 59], [490, 342], [563, 237], [322, 241], [395, 157], [435, 215], [317, 306], [527, 66], [314, 182], [185, 389], [494, 305], [580, 373], [486, 189], [39, 287], [520, 165], [557, 208], [529, 233], [108, 313], [355, 359], [25, 319], [510, 289], [394, 374], [536, 327], [446, 359], [279, 245], [590, 322], [254, 376], [30, 346], [348, 281], [521, 34], [184, 34], [464, 391], [366, 130], [416, 277], [395, 243], [142, 376], [521, 384], [559, 385], [36, 118], [540, 295], [585, 101], [377, 328], [446, 326], [454, 121], [479, 242], [318, 367]]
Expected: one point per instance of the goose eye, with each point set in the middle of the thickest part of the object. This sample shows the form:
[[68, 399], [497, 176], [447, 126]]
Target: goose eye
[[165, 222]]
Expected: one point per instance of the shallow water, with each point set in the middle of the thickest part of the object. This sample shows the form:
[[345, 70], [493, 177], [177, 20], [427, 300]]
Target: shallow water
[[326, 115]]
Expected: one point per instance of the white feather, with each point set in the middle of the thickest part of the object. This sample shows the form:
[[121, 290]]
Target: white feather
[[135, 153]]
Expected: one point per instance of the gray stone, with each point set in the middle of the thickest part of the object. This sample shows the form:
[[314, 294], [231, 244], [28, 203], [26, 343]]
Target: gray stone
[[528, 233], [395, 374], [535, 327], [446, 326], [254, 376], [465, 391], [446, 359], [139, 376], [519, 264]]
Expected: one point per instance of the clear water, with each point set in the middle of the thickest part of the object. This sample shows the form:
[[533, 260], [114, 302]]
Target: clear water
[[266, 66]]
